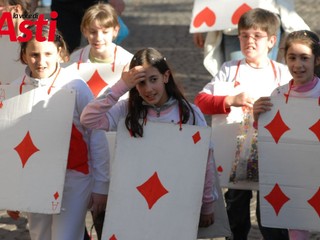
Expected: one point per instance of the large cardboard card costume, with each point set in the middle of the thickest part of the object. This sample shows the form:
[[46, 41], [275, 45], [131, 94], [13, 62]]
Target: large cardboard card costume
[[157, 182], [289, 150], [227, 135], [35, 132]]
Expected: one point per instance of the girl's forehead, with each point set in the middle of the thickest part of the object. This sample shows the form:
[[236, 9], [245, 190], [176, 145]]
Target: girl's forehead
[[299, 47], [150, 68], [96, 24], [45, 45]]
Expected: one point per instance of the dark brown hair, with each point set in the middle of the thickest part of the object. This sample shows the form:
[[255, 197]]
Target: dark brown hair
[[307, 38], [137, 111]]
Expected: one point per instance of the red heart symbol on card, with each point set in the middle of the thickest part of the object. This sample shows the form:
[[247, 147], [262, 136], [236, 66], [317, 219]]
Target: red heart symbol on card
[[206, 16], [238, 13]]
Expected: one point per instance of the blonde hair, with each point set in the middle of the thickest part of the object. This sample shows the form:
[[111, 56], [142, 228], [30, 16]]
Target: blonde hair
[[103, 13]]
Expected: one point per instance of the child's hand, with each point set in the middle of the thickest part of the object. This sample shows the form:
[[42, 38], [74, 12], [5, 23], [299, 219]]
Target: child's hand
[[262, 105], [198, 40], [97, 203], [206, 220], [240, 100], [15, 215], [133, 76]]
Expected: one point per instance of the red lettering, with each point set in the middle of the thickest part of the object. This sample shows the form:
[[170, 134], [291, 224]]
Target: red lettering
[[27, 33], [39, 25], [6, 20], [52, 26], [6, 17]]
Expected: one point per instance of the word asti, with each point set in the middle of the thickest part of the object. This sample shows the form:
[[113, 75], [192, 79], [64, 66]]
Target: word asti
[[7, 27]]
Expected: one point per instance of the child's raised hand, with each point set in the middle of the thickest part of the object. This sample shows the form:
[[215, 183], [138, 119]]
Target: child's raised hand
[[133, 76], [262, 105]]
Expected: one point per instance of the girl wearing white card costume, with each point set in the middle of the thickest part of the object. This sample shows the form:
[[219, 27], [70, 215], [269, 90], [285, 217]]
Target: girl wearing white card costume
[[100, 27], [302, 55], [153, 96], [86, 180]]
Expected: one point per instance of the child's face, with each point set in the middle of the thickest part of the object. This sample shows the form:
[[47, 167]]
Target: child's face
[[99, 37], [152, 89], [301, 62], [42, 58], [255, 44]]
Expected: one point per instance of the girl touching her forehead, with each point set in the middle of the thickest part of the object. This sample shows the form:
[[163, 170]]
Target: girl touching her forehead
[[153, 96]]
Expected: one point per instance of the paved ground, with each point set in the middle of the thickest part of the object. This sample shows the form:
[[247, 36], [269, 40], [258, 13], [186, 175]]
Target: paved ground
[[164, 24]]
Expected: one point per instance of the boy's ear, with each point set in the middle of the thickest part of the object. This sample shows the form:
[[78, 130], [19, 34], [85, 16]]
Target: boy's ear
[[272, 41], [317, 61]]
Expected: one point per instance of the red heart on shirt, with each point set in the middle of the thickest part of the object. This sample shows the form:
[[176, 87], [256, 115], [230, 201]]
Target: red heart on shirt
[[206, 16], [238, 13]]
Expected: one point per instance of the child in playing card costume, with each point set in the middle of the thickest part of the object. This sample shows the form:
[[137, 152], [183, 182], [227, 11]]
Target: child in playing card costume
[[153, 96], [100, 27], [252, 77], [86, 180], [302, 55]]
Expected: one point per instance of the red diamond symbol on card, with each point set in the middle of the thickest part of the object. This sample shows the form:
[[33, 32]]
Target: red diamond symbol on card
[[152, 190], [315, 128], [56, 195], [96, 83], [26, 149], [276, 198], [315, 202], [113, 237], [196, 137], [277, 127]]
